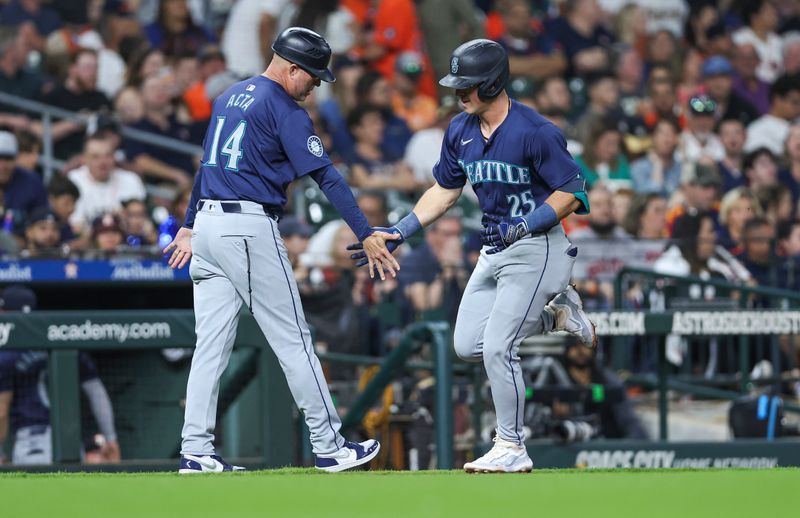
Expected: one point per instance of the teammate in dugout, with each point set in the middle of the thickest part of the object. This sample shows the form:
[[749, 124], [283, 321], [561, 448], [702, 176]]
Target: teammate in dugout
[[258, 141], [526, 182]]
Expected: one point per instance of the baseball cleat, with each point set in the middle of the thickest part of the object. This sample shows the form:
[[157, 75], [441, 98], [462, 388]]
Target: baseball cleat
[[504, 457], [571, 317], [350, 455], [191, 464]]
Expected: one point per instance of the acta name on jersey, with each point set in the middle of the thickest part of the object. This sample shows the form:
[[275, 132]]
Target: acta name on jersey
[[242, 101], [495, 171]]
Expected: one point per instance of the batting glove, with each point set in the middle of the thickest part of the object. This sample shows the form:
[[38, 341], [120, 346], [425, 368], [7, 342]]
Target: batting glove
[[503, 234], [361, 257]]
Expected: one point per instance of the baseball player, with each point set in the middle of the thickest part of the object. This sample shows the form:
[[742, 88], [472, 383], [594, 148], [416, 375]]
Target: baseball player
[[526, 182], [258, 141]]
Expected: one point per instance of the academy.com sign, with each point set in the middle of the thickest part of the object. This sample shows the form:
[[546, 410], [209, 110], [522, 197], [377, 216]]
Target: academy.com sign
[[109, 331]]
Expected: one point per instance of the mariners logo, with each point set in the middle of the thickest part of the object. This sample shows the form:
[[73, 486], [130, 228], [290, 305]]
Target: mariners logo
[[314, 145], [454, 66]]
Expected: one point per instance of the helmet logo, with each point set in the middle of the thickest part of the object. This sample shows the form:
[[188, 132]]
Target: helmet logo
[[314, 145], [454, 65]]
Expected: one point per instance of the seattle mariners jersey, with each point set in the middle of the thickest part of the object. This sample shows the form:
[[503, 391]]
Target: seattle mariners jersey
[[25, 373], [258, 141], [516, 170]]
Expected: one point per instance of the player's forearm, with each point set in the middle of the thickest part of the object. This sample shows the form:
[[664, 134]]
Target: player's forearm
[[434, 203], [100, 404], [5, 406], [563, 203], [188, 220], [341, 197]]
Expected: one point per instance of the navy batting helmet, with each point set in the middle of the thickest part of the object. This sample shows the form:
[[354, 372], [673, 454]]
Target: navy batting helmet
[[478, 62], [306, 49]]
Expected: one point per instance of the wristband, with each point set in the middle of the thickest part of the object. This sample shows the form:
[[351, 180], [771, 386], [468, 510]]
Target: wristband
[[408, 225], [542, 218]]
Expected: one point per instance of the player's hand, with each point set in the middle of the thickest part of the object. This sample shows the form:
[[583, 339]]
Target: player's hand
[[378, 254], [181, 248], [394, 240], [110, 452], [503, 234]]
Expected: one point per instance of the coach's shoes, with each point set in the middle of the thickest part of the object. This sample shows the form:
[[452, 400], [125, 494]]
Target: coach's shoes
[[570, 316], [350, 455], [504, 457], [191, 464]]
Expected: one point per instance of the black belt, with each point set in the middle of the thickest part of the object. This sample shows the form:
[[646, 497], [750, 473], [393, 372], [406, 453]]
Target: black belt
[[234, 207]]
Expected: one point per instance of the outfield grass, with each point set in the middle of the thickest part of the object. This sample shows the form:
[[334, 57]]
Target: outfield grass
[[294, 492]]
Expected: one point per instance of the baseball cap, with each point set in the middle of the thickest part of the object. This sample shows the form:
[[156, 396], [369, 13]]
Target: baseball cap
[[700, 174], [106, 223], [702, 105], [17, 298], [42, 214], [409, 63], [293, 226], [717, 66], [8, 145]]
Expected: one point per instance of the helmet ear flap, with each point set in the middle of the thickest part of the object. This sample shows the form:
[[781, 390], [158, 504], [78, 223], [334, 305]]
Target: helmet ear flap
[[492, 87]]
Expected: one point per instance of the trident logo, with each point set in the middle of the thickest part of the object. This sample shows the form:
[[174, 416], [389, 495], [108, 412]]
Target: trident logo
[[454, 66]]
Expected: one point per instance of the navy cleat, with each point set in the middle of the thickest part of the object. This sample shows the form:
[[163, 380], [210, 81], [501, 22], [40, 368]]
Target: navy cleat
[[191, 464], [350, 455]]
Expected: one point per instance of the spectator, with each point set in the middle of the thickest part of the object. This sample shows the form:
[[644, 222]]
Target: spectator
[[663, 51], [107, 235], [63, 196], [395, 29], [776, 200], [736, 208], [211, 62], [174, 32], [746, 83], [531, 52], [621, 203], [770, 130], [136, 224], [417, 110], [146, 62], [603, 103], [157, 162], [700, 186], [129, 106], [761, 20], [369, 167], [248, 35], [760, 168], [788, 236], [659, 171], [646, 217], [15, 78], [552, 93], [661, 102], [629, 70], [718, 82], [29, 148], [732, 136], [434, 275], [791, 52], [445, 25], [425, 145], [334, 110], [757, 254], [103, 186], [372, 88], [582, 36], [295, 233], [617, 420], [599, 243], [23, 397], [22, 191], [602, 160], [698, 140], [373, 205], [35, 21], [78, 94], [790, 174], [42, 234]]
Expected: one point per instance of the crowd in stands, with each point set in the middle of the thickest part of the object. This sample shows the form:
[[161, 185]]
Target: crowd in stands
[[684, 117]]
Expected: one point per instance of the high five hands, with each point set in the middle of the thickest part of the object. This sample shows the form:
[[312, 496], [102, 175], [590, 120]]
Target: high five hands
[[373, 253]]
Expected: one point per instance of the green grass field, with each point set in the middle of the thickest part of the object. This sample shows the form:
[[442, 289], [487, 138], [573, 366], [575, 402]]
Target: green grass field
[[295, 492]]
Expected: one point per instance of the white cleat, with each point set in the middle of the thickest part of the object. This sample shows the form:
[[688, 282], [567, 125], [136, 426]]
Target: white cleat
[[350, 455], [504, 457], [570, 316]]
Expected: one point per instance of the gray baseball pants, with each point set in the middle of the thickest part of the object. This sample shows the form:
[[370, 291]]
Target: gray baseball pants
[[503, 303], [240, 258]]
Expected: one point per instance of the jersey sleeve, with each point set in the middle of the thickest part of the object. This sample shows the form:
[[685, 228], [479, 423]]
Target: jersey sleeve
[[447, 171], [302, 145], [547, 151], [86, 369]]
